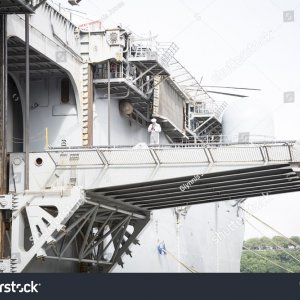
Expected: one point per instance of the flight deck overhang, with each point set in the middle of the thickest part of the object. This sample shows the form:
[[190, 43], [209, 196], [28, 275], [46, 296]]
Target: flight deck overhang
[[40, 64]]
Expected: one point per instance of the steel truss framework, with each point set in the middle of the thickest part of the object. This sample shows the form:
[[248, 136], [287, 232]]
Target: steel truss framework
[[133, 79], [137, 77], [95, 227], [100, 235], [72, 226]]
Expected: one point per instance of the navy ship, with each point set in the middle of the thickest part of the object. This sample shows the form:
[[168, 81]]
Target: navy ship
[[82, 189]]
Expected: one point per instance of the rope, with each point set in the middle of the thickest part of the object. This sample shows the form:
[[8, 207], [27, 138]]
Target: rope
[[273, 242], [272, 262], [269, 226], [182, 263]]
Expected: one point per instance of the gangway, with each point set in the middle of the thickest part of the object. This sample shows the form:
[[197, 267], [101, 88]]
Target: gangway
[[104, 195]]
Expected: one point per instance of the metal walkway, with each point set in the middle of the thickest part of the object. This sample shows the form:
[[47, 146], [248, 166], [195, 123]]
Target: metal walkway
[[176, 154], [96, 223]]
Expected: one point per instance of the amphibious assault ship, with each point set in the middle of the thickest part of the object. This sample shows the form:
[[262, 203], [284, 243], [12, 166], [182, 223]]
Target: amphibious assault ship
[[81, 188]]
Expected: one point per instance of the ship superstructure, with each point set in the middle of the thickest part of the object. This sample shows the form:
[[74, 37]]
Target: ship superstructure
[[79, 183]]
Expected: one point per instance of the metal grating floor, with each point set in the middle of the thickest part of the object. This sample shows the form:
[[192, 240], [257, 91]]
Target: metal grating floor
[[213, 187]]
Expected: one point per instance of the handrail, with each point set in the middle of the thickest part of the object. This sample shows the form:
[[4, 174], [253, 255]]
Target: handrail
[[183, 145]]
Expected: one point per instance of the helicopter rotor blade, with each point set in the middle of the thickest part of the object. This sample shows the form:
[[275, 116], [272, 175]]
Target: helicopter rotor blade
[[228, 94], [230, 87]]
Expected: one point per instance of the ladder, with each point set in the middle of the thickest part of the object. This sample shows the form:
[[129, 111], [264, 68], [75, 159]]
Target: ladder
[[85, 104], [86, 92]]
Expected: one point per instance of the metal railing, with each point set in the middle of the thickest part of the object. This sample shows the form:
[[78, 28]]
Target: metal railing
[[229, 139], [151, 49], [177, 154]]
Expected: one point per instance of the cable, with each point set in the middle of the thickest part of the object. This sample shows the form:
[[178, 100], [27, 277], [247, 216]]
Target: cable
[[182, 263], [273, 241], [291, 241], [272, 262]]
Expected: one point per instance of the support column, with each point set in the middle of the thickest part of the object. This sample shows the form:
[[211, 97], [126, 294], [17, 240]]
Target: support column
[[108, 103], [26, 139], [90, 105], [3, 121]]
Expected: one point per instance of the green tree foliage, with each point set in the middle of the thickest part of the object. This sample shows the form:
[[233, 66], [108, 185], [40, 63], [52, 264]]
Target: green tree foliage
[[296, 239], [265, 242], [262, 251], [253, 243], [280, 241]]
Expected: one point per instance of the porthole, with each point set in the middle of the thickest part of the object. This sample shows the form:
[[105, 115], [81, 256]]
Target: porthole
[[39, 161]]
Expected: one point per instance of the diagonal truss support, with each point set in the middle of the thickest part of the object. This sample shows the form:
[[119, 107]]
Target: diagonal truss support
[[46, 213], [68, 225]]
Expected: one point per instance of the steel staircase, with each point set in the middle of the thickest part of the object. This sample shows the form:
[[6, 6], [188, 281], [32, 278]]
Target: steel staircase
[[205, 113], [169, 52]]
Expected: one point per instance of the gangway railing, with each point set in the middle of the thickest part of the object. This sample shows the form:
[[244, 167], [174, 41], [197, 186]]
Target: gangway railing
[[177, 154]]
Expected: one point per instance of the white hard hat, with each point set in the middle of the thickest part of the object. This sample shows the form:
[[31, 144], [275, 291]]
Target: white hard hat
[[153, 120]]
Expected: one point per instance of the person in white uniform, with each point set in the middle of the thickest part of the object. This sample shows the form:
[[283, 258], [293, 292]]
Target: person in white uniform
[[154, 129]]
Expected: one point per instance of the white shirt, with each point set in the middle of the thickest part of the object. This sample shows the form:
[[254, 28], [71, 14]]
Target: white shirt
[[154, 128]]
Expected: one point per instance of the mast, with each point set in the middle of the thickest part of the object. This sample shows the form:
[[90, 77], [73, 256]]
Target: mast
[[3, 121], [26, 140]]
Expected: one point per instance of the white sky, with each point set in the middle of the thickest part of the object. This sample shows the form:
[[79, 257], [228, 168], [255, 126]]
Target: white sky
[[251, 39]]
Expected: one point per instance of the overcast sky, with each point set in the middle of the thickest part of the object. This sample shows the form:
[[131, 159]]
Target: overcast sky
[[250, 43]]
